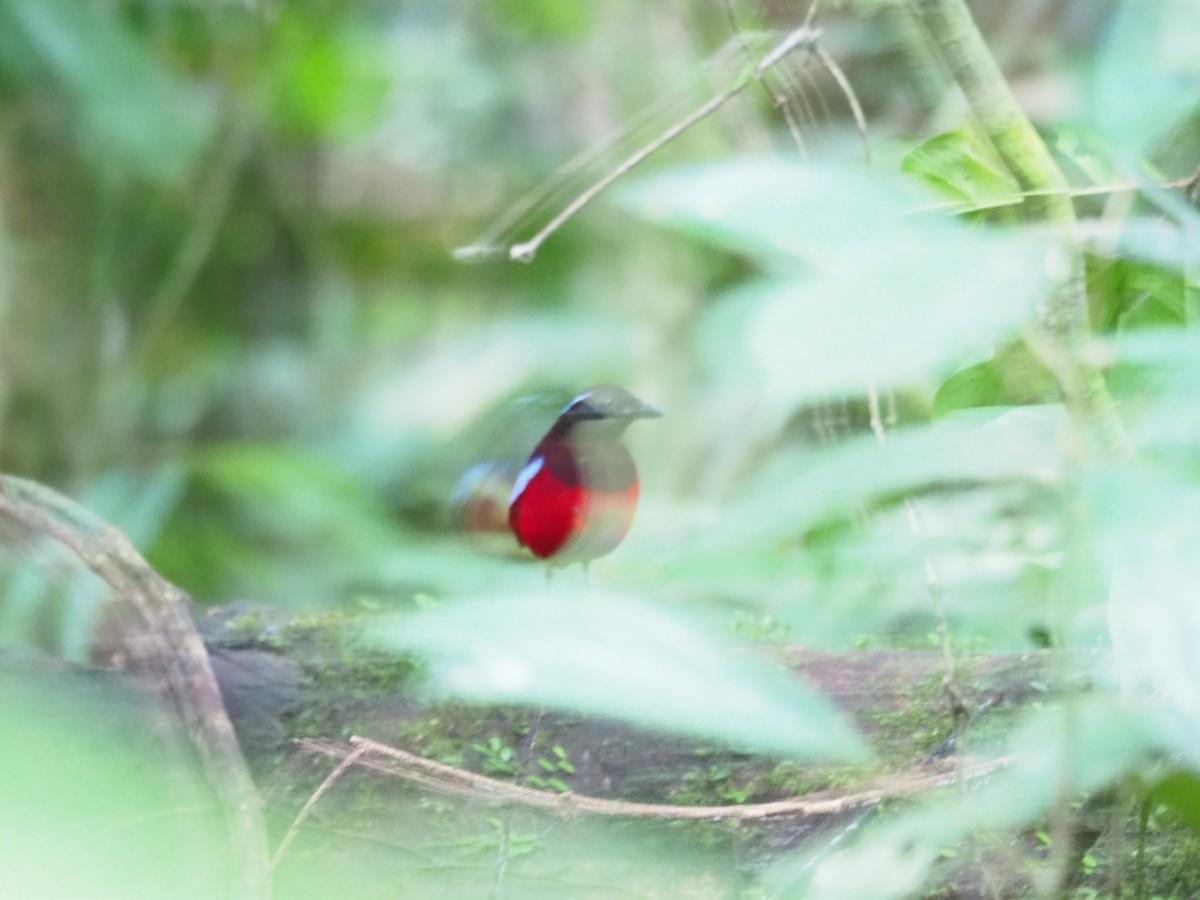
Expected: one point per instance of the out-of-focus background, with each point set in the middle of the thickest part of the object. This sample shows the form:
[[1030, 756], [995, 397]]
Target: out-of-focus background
[[257, 311], [230, 318]]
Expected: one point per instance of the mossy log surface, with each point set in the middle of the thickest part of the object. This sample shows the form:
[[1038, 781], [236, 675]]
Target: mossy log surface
[[295, 683], [285, 679]]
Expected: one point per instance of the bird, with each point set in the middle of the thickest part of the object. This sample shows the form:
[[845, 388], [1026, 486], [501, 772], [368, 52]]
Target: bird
[[574, 499]]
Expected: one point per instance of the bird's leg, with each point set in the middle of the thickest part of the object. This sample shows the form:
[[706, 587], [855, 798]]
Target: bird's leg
[[587, 576]]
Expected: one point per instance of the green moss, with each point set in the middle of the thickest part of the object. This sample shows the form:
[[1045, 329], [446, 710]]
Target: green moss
[[920, 723], [344, 677]]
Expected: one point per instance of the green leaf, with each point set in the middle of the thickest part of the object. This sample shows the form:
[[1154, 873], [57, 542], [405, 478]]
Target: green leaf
[[1181, 791], [330, 78], [783, 212], [800, 491], [543, 20], [959, 166], [974, 386], [1012, 377], [905, 310], [1148, 74], [611, 656], [886, 296]]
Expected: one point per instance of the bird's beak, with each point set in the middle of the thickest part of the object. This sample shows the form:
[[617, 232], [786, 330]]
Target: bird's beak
[[645, 411]]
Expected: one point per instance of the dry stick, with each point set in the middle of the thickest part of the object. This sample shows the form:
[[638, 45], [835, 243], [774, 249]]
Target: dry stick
[[487, 244], [792, 99], [175, 653], [860, 120], [459, 782], [307, 809], [525, 252]]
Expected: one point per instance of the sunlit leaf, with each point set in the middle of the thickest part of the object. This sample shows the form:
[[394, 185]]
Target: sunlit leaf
[[902, 311], [782, 211], [609, 656], [543, 19], [974, 386], [959, 166], [330, 78], [1013, 376], [802, 490], [1181, 791], [886, 296]]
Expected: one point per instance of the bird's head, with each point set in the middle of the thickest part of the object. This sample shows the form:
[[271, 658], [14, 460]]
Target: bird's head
[[603, 411]]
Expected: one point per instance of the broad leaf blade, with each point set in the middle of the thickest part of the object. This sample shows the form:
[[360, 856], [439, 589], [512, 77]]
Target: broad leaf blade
[[957, 165], [885, 296], [803, 491], [609, 656]]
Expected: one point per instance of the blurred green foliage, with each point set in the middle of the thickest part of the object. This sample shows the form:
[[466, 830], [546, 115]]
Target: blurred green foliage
[[231, 323]]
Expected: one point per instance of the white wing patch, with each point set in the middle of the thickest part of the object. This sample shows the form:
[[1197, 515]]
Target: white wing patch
[[527, 475]]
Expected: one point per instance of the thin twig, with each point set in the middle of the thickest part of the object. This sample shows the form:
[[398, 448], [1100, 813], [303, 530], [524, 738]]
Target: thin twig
[[779, 98], [490, 243], [860, 120], [294, 829], [459, 782], [525, 252]]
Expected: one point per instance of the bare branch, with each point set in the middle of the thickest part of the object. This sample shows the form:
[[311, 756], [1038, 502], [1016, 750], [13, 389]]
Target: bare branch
[[307, 809], [804, 37], [174, 653], [459, 782], [525, 252]]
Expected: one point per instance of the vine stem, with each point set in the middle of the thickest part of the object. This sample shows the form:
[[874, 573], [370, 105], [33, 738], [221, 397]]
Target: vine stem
[[1064, 314]]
